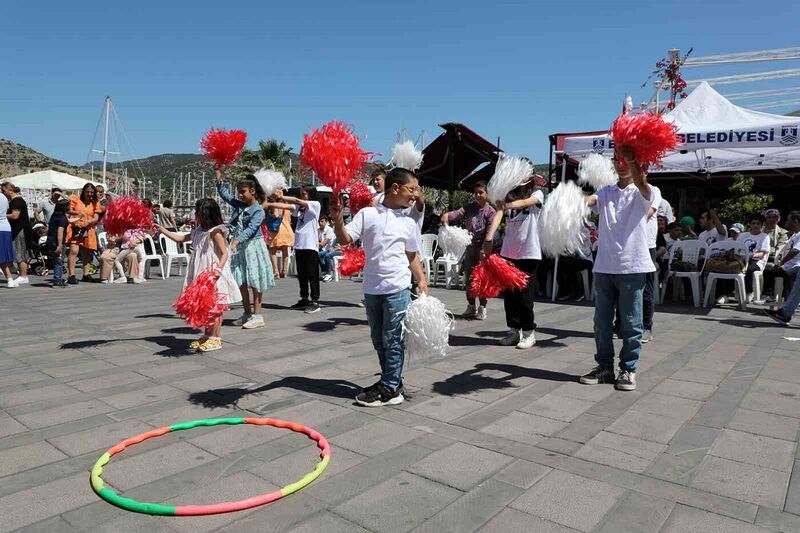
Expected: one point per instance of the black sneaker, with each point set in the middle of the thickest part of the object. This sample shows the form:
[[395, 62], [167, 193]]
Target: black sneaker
[[301, 304], [777, 317], [72, 280], [313, 307], [379, 395], [598, 374], [626, 380]]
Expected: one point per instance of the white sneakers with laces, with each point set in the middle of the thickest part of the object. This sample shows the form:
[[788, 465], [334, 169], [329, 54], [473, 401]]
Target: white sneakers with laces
[[480, 313], [527, 340], [254, 321]]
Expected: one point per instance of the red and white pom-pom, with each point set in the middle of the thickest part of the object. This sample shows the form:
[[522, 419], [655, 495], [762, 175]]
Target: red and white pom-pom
[[647, 135], [223, 146], [360, 197], [200, 303], [334, 154], [125, 213], [481, 285], [353, 261]]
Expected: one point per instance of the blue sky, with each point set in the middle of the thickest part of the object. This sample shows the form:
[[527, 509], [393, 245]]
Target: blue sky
[[518, 70]]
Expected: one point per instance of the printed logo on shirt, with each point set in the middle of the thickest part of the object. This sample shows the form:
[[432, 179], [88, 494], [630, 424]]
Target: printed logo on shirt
[[751, 244]]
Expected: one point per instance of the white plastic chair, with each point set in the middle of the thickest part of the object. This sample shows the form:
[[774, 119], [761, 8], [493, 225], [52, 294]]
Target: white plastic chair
[[449, 265], [741, 250], [150, 256], [587, 291], [172, 252], [695, 252], [430, 242]]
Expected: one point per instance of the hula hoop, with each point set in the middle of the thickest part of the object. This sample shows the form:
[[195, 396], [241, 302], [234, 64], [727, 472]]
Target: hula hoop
[[98, 485]]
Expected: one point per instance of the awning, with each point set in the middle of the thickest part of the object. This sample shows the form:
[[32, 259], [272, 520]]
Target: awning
[[455, 155]]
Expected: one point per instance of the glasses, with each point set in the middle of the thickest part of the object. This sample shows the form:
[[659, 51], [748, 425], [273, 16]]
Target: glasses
[[413, 190]]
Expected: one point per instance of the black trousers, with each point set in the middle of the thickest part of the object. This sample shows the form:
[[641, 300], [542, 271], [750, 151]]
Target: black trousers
[[308, 273], [569, 266], [519, 304], [771, 274]]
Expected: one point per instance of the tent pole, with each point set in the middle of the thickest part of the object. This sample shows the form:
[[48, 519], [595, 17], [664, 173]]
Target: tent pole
[[105, 140], [451, 167]]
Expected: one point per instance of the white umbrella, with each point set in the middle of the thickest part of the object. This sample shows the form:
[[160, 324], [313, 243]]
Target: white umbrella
[[47, 179]]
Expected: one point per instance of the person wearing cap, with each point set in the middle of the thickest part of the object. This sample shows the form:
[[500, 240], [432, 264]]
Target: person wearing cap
[[735, 231], [687, 229], [778, 237]]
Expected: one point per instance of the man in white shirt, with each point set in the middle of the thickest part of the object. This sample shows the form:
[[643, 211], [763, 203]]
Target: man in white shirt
[[789, 266], [306, 248], [757, 243], [48, 205], [327, 240], [713, 229], [391, 246], [620, 271]]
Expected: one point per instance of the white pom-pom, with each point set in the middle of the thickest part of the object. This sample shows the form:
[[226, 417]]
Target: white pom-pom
[[561, 220], [454, 240], [510, 173], [270, 180], [427, 326], [405, 155], [597, 171]]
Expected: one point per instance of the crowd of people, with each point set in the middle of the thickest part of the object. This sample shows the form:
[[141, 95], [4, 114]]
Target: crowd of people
[[631, 243]]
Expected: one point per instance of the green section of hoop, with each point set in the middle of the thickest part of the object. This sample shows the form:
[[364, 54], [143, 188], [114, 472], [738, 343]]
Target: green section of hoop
[[138, 507], [207, 422], [308, 478]]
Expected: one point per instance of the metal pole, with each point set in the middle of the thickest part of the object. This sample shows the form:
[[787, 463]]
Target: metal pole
[[159, 190], [105, 140], [203, 194], [451, 167]]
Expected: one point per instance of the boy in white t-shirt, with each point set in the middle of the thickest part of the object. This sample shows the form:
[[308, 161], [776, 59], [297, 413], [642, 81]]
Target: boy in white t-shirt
[[789, 269], [620, 271], [391, 243], [306, 247], [758, 243]]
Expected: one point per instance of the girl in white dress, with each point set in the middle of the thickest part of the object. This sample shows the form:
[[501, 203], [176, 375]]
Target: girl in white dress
[[209, 251]]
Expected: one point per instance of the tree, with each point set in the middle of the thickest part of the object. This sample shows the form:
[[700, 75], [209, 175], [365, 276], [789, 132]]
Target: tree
[[742, 202], [270, 153]]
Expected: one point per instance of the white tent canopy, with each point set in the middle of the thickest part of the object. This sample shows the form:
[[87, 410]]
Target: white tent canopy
[[716, 136], [47, 179]]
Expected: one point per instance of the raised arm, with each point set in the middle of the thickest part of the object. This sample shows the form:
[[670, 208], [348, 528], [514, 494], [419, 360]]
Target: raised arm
[[639, 176], [335, 211], [488, 241], [177, 237], [225, 193], [295, 201]]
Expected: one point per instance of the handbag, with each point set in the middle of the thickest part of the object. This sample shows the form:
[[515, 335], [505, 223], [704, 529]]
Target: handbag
[[727, 263], [274, 223]]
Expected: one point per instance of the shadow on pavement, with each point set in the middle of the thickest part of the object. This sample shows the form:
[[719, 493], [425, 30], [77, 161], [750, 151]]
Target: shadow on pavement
[[331, 324], [472, 380], [335, 388], [174, 347]]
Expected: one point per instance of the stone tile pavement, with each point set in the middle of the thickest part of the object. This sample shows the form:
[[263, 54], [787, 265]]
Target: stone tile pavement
[[492, 439]]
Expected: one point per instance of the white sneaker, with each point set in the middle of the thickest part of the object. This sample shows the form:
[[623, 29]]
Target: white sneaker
[[480, 313], [722, 300], [326, 278], [105, 281], [511, 339], [139, 280], [121, 280], [22, 281], [527, 340], [762, 301], [469, 312], [254, 321], [12, 283], [647, 336]]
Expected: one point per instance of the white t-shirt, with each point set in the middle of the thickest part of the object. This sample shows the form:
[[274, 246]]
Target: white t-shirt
[[386, 235], [710, 236], [4, 224], [47, 208], [622, 245], [665, 210], [521, 238], [327, 234], [792, 244], [418, 216], [652, 222], [306, 234], [756, 243], [670, 243]]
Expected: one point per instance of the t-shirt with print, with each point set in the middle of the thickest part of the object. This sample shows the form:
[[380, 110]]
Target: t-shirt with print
[[327, 234], [652, 222], [710, 236], [386, 235], [306, 234], [521, 238], [756, 243], [792, 244], [477, 220], [622, 245]]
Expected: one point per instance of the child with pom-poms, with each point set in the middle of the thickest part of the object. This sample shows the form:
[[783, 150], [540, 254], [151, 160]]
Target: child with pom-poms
[[209, 287], [391, 246], [477, 217], [520, 207]]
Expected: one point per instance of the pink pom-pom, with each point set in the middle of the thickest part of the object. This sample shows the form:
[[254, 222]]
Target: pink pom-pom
[[360, 197], [647, 135], [493, 275], [223, 146], [353, 261], [333, 153], [199, 303], [126, 213]]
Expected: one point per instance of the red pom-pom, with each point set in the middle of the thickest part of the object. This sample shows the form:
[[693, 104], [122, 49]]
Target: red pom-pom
[[494, 275], [125, 213], [199, 303], [647, 135], [353, 261], [360, 197], [334, 154], [223, 146]]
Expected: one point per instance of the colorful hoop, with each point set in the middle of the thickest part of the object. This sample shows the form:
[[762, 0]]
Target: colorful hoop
[[113, 498]]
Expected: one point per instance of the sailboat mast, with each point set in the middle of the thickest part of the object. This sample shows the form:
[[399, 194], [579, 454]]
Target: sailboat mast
[[105, 139]]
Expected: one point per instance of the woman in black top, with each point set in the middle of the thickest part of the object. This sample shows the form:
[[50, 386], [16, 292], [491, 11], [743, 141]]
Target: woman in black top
[[20, 229]]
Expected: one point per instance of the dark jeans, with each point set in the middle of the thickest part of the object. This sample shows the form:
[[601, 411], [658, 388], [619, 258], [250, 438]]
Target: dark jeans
[[385, 314], [519, 304], [58, 266], [788, 279], [650, 295], [569, 266], [308, 273], [326, 260]]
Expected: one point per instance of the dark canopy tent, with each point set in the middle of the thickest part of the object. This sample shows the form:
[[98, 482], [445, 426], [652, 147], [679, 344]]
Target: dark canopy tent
[[450, 161]]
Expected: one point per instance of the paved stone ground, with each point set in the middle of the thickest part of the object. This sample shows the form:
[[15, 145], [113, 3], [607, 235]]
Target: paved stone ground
[[493, 439]]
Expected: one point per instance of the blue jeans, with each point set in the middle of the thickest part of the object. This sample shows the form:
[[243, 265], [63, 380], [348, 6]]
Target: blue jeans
[[625, 292], [58, 266], [385, 313], [793, 300], [326, 260]]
